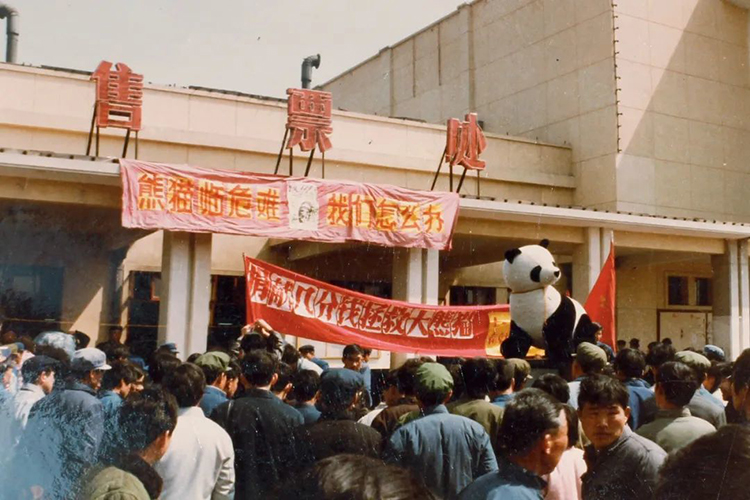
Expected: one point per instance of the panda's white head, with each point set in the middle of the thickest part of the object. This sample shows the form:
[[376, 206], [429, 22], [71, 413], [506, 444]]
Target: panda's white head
[[530, 267]]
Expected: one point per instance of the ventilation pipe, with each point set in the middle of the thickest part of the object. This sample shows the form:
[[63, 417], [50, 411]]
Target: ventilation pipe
[[11, 49], [308, 64]]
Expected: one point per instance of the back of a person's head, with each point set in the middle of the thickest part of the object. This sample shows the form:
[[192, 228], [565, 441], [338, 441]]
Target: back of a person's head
[[53, 352], [115, 352], [678, 381], [479, 377], [660, 354], [635, 343], [186, 383], [161, 364], [259, 368], [630, 363], [530, 415], [146, 415], [253, 342], [521, 372], [305, 384], [284, 372], [121, 371], [407, 377], [554, 385], [356, 477], [505, 375], [715, 466], [290, 355], [602, 391], [741, 373]]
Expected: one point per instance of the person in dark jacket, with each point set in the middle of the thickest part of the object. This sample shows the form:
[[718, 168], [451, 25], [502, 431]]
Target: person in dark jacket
[[479, 376], [447, 451], [703, 404], [741, 387], [148, 418], [337, 431], [388, 419], [65, 429], [630, 365], [261, 427], [621, 464], [305, 385]]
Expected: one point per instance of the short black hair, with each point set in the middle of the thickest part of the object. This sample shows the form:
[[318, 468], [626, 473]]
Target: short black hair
[[554, 385], [186, 383], [161, 364], [667, 341], [741, 373], [290, 355], [715, 466], [602, 390], [235, 370], [573, 433], [479, 377], [678, 381], [505, 375], [355, 477], [146, 415], [391, 380], [121, 371], [622, 343], [635, 343], [630, 362], [528, 417], [253, 342], [457, 374], [407, 377], [284, 372], [660, 354], [307, 348], [305, 385], [259, 368], [193, 358], [351, 350], [32, 372]]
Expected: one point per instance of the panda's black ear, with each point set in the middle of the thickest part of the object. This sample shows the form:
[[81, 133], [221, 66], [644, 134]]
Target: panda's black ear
[[512, 254], [544, 243]]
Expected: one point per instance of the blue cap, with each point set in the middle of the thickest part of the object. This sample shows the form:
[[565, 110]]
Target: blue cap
[[714, 352], [339, 385], [89, 358], [170, 346]]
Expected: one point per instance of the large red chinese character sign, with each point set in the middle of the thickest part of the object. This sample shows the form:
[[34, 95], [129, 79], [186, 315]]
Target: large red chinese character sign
[[308, 124], [464, 144], [119, 101]]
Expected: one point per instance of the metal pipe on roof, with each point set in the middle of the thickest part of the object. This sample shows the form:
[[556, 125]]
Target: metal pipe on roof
[[308, 64], [12, 31]]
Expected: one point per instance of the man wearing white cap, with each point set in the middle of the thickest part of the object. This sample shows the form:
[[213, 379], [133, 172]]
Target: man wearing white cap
[[64, 430]]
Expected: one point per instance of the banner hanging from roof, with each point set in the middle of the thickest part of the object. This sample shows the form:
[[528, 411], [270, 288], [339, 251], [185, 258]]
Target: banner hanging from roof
[[201, 200], [297, 305]]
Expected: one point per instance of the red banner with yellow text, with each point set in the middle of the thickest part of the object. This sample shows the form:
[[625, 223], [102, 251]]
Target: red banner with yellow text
[[297, 305], [194, 199]]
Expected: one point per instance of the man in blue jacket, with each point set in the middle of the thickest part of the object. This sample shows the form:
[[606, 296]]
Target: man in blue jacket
[[64, 431], [630, 365]]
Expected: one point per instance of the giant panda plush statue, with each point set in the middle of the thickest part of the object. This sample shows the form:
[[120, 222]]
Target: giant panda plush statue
[[540, 315]]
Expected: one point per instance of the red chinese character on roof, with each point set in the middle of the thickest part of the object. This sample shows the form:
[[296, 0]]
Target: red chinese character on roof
[[465, 142], [309, 119], [119, 96]]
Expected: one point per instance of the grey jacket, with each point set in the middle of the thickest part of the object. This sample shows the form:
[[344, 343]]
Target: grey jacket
[[625, 470]]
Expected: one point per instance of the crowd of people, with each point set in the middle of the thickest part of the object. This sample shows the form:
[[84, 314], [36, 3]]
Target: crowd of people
[[259, 419]]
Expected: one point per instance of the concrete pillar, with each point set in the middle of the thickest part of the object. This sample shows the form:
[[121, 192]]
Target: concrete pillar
[[415, 280], [587, 262], [607, 235], [744, 288], [726, 308], [186, 291]]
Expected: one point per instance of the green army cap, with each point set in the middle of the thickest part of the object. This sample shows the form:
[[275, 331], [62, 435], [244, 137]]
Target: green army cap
[[434, 377], [214, 359], [694, 360], [588, 353]]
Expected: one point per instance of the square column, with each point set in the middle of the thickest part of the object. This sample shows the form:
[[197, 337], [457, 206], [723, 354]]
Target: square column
[[726, 308], [415, 280], [587, 263], [744, 287], [186, 291]]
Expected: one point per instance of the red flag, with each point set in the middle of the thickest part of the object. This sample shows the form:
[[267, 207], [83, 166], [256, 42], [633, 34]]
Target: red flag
[[600, 305]]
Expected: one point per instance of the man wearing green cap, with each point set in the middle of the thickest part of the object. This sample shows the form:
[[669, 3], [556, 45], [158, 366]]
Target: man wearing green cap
[[447, 451], [700, 405], [215, 365]]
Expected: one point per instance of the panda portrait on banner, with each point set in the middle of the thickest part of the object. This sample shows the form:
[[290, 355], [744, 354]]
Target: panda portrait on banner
[[540, 315]]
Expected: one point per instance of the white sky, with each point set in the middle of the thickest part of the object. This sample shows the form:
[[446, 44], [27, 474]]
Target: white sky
[[253, 46]]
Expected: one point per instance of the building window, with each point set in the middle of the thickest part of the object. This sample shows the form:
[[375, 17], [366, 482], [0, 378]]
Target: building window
[[678, 291], [473, 295], [689, 291], [228, 307]]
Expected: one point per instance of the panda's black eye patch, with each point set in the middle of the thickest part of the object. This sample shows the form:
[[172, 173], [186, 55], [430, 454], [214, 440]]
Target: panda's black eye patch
[[535, 274]]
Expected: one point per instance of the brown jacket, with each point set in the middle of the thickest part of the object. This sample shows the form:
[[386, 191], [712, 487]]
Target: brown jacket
[[387, 420]]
